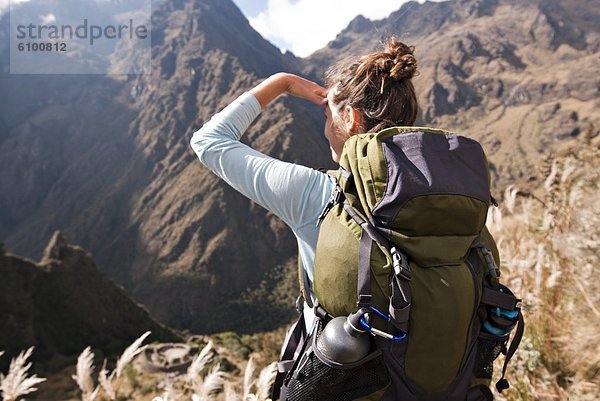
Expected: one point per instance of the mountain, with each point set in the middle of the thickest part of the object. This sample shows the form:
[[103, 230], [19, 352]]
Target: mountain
[[63, 303], [109, 163], [106, 159], [206, 245], [521, 77]]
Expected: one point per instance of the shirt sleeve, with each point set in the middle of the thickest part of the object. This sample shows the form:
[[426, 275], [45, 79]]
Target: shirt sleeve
[[294, 193]]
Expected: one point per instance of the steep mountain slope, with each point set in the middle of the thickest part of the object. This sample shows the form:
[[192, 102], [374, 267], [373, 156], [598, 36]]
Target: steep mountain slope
[[63, 304], [206, 243], [519, 76], [66, 157], [108, 161]]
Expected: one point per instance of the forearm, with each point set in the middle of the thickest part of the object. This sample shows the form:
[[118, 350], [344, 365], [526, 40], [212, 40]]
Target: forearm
[[281, 83], [269, 89], [231, 122]]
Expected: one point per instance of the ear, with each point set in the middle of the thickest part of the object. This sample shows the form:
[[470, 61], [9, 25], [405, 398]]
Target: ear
[[352, 119]]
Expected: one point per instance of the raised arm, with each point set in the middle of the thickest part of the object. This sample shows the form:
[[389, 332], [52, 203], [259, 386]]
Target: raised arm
[[294, 193], [275, 85]]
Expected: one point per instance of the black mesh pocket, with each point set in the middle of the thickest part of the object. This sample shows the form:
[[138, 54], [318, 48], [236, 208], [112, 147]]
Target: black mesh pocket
[[488, 349], [315, 378]]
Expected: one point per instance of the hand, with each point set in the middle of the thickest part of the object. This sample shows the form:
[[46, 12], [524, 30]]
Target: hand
[[280, 83], [305, 89]]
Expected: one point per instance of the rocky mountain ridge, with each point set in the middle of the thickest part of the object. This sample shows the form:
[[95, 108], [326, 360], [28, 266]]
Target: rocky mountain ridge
[[518, 76], [63, 303], [127, 184]]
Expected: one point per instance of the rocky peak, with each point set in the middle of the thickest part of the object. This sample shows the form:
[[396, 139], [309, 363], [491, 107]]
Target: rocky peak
[[477, 8], [63, 304], [359, 24], [56, 248]]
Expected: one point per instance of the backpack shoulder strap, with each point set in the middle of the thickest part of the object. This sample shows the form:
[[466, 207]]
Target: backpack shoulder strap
[[292, 346]]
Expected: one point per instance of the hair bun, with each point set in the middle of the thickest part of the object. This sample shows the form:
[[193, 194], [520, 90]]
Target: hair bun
[[401, 63]]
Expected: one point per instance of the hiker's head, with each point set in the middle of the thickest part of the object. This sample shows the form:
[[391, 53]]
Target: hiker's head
[[370, 93]]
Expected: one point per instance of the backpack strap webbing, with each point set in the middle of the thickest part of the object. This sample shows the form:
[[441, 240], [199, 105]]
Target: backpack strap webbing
[[306, 285], [480, 393], [499, 299], [400, 297], [369, 228], [292, 347], [502, 384], [363, 287]]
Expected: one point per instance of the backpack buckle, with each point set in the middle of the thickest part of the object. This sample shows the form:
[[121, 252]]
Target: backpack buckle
[[400, 264], [364, 300], [491, 263], [336, 197], [300, 303]]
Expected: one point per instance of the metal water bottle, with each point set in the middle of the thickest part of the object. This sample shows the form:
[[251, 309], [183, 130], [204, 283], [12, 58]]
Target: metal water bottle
[[343, 339]]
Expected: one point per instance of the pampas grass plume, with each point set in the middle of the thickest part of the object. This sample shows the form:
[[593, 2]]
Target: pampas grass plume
[[248, 374], [18, 382], [265, 381], [130, 353], [84, 370], [200, 362], [105, 382]]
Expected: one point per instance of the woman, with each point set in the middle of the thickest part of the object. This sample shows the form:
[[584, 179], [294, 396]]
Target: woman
[[367, 95]]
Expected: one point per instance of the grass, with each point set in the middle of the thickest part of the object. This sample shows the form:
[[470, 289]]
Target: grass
[[17, 381], [549, 244], [204, 380]]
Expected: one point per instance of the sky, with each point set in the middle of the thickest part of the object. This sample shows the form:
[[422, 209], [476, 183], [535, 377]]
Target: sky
[[5, 3], [303, 26]]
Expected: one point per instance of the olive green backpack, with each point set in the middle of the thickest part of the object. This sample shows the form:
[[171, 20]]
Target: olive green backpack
[[403, 239]]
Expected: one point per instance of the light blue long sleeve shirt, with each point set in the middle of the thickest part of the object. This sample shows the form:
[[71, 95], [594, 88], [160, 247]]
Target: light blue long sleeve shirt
[[295, 193]]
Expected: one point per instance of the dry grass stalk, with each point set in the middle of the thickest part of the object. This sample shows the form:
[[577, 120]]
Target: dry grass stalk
[[106, 382], [510, 198], [230, 393], [207, 388], [17, 382], [83, 375], [110, 383], [200, 362], [130, 352], [248, 377], [549, 252], [265, 381]]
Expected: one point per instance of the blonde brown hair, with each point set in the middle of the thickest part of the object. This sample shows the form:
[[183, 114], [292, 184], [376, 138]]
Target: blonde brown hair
[[379, 86]]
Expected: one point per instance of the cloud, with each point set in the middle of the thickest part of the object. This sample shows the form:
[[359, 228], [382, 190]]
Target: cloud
[[47, 19], [303, 26], [5, 3]]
